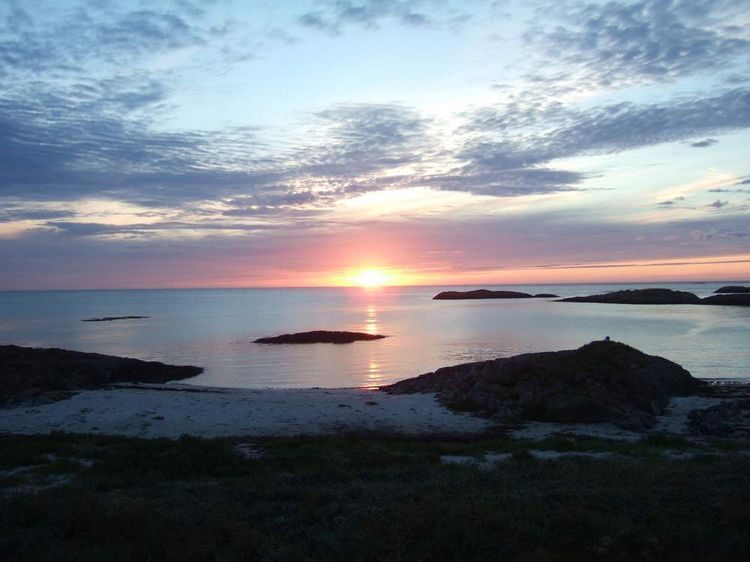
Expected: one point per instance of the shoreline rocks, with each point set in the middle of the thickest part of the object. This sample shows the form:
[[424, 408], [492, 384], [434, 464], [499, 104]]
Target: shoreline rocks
[[735, 299], [730, 419], [320, 336], [603, 381], [28, 373]]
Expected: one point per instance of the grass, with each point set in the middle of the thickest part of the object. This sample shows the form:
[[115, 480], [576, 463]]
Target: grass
[[369, 498]]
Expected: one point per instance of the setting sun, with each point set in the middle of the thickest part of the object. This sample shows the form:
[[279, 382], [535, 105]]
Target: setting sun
[[371, 278]]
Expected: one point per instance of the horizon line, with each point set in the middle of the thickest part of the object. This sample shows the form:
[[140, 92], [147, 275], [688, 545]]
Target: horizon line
[[219, 288]]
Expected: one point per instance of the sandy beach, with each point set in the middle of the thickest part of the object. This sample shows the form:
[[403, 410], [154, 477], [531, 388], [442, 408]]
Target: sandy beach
[[172, 410]]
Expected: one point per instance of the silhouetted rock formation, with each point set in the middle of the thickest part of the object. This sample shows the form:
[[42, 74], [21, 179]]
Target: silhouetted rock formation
[[640, 296], [545, 296], [728, 419], [110, 318], [733, 289], [603, 381], [480, 294], [737, 299], [321, 336], [29, 373]]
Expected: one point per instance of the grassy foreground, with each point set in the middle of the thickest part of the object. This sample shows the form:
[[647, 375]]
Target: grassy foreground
[[72, 497]]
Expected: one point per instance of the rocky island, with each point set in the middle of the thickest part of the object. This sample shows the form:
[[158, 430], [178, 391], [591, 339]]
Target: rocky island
[[662, 296], [733, 289], [321, 336], [603, 381], [28, 373], [487, 294], [640, 296]]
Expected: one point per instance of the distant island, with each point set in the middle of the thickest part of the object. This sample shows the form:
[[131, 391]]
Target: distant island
[[321, 336], [662, 296], [733, 289], [487, 294], [111, 318]]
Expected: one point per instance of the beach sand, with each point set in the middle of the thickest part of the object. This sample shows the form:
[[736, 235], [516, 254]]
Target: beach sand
[[174, 409], [171, 410]]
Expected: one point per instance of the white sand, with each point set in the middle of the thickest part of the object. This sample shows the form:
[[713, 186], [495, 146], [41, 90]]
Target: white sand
[[170, 411], [174, 409]]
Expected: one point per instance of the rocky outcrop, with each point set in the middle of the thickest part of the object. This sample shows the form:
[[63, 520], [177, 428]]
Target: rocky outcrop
[[728, 300], [728, 419], [480, 294], [603, 381], [640, 296], [733, 289], [546, 296], [321, 336], [29, 373]]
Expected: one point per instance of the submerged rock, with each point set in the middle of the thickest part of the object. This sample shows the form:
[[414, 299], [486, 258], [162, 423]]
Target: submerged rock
[[728, 300], [733, 289], [321, 336], [481, 294], [640, 296], [32, 373], [603, 381]]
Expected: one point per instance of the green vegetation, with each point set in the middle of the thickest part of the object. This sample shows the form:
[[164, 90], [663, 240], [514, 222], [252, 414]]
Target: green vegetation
[[377, 497]]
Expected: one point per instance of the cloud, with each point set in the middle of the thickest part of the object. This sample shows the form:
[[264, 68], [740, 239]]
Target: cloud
[[83, 38], [368, 14], [654, 40], [600, 129], [703, 143], [718, 204]]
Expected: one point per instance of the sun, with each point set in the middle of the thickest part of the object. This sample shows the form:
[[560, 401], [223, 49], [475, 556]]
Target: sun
[[371, 278]]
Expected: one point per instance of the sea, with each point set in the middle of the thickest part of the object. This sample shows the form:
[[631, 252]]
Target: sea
[[215, 329]]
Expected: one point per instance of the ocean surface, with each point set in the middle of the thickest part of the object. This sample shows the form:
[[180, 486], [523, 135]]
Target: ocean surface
[[215, 329]]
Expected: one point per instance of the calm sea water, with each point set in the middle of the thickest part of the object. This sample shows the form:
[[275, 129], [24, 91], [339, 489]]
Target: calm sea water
[[215, 329]]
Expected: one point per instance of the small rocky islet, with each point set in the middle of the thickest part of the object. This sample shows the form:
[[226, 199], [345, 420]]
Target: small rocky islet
[[488, 294], [113, 318], [320, 336]]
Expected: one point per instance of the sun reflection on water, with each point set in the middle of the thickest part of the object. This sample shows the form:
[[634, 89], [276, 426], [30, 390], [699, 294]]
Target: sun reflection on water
[[371, 320], [374, 374]]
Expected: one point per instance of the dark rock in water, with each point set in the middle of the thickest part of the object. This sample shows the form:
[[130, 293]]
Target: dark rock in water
[[480, 294], [30, 373], [110, 318], [640, 296], [733, 289], [728, 300], [728, 419], [603, 381], [321, 336], [545, 296]]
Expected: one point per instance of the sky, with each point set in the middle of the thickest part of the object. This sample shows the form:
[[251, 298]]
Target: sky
[[225, 143]]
